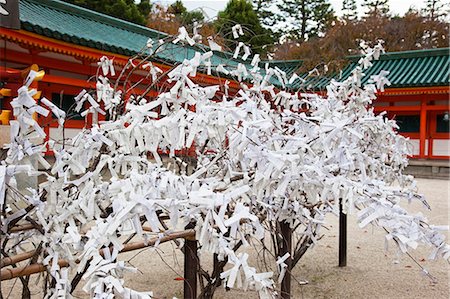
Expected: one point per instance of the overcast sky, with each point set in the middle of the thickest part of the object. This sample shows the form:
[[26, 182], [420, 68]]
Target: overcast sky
[[211, 7]]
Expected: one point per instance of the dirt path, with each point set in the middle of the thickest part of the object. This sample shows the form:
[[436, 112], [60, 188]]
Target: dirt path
[[371, 272]]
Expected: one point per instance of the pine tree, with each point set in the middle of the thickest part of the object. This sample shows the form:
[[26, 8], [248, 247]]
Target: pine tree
[[376, 7], [305, 18], [242, 12], [264, 10], [349, 10], [435, 9], [184, 16], [123, 9]]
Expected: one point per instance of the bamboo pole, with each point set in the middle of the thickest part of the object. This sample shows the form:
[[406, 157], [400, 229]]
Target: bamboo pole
[[27, 270], [6, 261], [7, 274]]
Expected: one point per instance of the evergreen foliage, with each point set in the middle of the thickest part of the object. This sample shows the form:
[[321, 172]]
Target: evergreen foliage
[[435, 9], [184, 16], [305, 18], [349, 10], [376, 7], [123, 9], [242, 12]]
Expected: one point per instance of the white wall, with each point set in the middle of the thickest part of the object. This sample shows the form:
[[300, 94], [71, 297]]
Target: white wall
[[441, 147]]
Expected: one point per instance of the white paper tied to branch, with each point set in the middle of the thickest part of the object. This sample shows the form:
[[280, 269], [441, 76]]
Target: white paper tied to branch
[[183, 35], [380, 80], [254, 164], [3, 11], [59, 114], [247, 51], [282, 266], [255, 60], [107, 66], [213, 45], [2, 185], [237, 31], [196, 36]]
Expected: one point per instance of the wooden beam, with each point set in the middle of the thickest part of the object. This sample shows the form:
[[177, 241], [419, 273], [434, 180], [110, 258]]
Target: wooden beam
[[412, 108], [68, 81], [396, 108], [60, 65], [437, 107], [416, 90], [33, 40]]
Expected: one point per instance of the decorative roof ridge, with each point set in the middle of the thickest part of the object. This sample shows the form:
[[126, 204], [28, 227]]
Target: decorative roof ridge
[[408, 54], [292, 61]]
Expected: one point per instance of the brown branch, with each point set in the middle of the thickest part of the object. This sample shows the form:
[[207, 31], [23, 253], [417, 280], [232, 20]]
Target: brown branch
[[20, 228]]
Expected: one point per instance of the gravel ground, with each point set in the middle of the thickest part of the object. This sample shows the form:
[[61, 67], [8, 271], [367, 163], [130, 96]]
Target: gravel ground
[[371, 271]]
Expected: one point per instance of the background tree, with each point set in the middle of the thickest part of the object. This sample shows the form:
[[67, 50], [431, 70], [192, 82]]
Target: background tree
[[161, 20], [349, 10], [376, 7], [435, 9], [305, 18], [184, 16], [410, 32], [123, 9], [242, 12], [264, 10], [168, 19]]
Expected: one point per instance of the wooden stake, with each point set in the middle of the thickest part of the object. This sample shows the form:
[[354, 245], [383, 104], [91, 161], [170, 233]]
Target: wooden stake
[[191, 266], [286, 233], [342, 236]]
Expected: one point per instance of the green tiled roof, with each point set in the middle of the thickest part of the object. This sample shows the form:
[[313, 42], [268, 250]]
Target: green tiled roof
[[77, 25], [406, 69], [410, 68], [63, 21]]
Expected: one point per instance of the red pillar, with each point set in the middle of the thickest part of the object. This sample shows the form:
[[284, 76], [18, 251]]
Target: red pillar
[[423, 128]]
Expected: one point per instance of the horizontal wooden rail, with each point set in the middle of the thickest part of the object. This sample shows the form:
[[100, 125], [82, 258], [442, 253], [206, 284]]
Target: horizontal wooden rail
[[6, 261], [7, 274]]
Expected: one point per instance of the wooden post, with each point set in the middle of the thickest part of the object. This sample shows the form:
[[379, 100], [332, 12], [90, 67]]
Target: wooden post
[[423, 128], [286, 233], [342, 236], [191, 266]]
